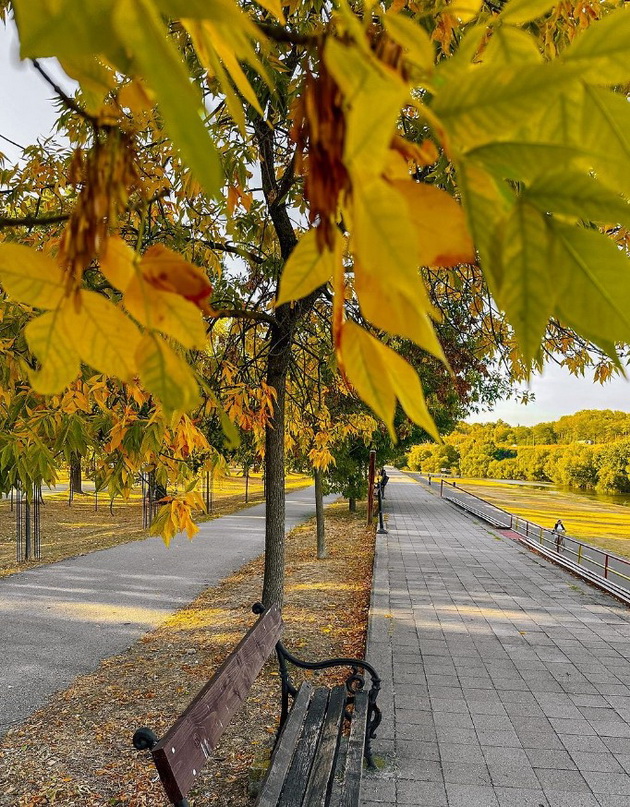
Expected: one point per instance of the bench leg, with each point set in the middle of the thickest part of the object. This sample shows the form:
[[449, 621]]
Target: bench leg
[[374, 720]]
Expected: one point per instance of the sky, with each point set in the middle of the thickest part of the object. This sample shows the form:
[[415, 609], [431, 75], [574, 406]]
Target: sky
[[27, 112]]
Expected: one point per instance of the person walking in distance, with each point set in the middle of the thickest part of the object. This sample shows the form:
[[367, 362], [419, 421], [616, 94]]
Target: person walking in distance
[[558, 531], [383, 480]]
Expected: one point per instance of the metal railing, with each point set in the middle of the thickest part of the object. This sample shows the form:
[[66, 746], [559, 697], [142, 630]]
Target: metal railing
[[604, 569]]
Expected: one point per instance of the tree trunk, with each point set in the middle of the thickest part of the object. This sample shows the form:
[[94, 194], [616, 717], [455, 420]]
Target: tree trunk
[[352, 504], [76, 481], [319, 515], [275, 509]]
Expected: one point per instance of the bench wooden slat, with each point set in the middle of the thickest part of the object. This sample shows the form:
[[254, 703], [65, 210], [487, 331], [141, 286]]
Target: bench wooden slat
[[319, 782], [182, 752], [297, 778], [285, 748], [354, 756]]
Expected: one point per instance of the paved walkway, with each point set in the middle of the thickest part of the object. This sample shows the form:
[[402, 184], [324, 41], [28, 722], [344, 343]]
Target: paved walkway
[[58, 621], [507, 679]]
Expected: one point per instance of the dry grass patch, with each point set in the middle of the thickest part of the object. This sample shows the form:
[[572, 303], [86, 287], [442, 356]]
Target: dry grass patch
[[77, 529], [597, 522], [77, 750]]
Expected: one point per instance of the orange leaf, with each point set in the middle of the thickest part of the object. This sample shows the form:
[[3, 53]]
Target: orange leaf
[[167, 271]]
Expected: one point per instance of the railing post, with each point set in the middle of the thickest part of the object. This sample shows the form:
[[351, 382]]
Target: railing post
[[606, 566], [441, 488], [579, 555], [527, 529]]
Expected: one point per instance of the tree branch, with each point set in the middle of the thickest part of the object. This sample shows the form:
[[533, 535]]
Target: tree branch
[[244, 313], [69, 102], [280, 34], [33, 221], [217, 246]]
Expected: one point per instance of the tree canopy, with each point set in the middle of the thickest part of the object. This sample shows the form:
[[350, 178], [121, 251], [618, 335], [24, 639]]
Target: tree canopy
[[405, 172]]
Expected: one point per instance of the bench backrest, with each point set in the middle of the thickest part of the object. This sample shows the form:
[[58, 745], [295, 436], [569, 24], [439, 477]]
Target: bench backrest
[[180, 755]]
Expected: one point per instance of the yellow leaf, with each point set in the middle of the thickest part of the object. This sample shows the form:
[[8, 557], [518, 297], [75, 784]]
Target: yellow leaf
[[511, 45], [465, 10], [202, 42], [105, 338], [31, 277], [441, 233], [96, 79], [143, 32], [408, 389], [273, 7], [165, 312], [167, 376], [49, 339], [383, 233], [363, 363], [380, 376], [117, 262], [228, 57], [137, 97], [306, 269], [367, 86], [398, 311]]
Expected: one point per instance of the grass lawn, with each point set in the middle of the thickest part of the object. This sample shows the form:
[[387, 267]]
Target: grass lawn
[[600, 523], [79, 528]]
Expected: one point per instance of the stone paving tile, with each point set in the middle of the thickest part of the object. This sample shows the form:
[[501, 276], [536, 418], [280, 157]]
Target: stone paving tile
[[510, 679], [520, 797]]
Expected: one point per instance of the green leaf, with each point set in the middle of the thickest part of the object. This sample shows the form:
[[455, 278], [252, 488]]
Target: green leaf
[[604, 49], [593, 276], [61, 29], [420, 50], [487, 204], [509, 45], [578, 195], [529, 287], [525, 161], [607, 135], [31, 277], [49, 339], [167, 376], [517, 12], [140, 28], [484, 105]]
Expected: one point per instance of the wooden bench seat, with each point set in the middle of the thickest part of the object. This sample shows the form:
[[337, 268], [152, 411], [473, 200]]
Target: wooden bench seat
[[324, 733]]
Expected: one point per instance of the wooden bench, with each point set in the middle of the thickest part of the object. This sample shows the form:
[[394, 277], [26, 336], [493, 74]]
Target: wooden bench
[[323, 737]]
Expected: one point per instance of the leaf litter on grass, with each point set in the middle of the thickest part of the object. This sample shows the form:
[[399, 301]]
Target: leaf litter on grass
[[77, 750]]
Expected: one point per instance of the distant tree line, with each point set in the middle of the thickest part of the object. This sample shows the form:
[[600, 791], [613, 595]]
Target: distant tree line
[[588, 450]]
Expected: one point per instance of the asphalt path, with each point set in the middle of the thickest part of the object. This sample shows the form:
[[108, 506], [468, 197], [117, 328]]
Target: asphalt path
[[60, 620]]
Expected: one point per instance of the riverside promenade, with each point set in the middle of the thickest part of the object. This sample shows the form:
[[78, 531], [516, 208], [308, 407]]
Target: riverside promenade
[[506, 679]]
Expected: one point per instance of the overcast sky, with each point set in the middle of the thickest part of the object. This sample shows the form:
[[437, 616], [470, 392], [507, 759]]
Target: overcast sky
[[27, 112]]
